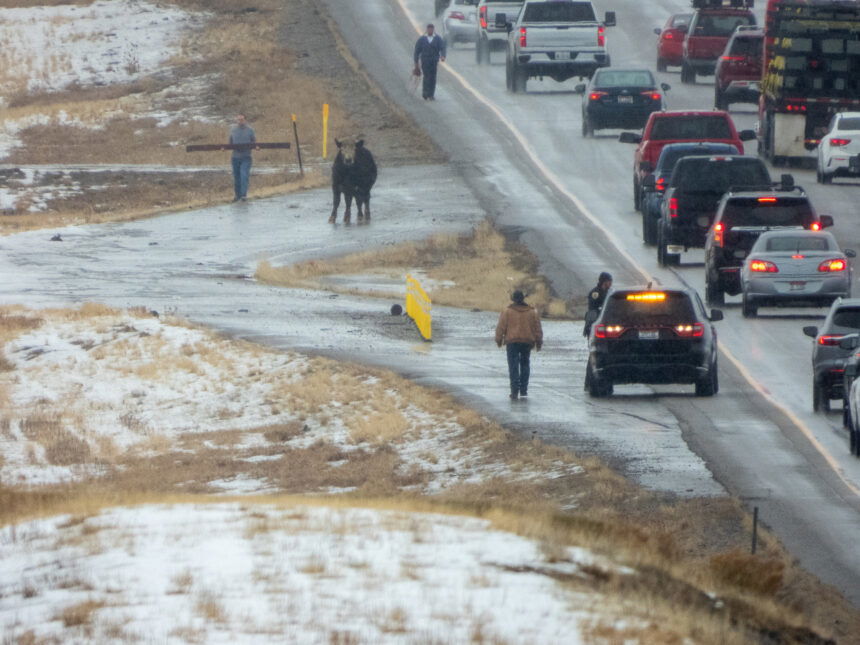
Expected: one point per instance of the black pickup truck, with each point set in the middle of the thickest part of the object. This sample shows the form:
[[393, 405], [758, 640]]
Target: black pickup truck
[[690, 202]]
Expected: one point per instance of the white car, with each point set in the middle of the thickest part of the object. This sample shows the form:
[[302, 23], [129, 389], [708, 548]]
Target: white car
[[793, 267], [460, 22], [839, 150]]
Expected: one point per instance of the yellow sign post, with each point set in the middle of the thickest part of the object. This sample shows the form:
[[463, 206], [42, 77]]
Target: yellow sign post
[[325, 130], [419, 308]]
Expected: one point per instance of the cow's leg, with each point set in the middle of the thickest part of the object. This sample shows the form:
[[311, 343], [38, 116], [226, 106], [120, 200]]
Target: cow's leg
[[359, 206], [348, 212], [336, 201], [367, 206]]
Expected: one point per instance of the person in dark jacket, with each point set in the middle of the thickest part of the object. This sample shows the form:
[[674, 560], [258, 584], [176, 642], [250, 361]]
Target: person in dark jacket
[[429, 50], [596, 298], [241, 133], [519, 329]]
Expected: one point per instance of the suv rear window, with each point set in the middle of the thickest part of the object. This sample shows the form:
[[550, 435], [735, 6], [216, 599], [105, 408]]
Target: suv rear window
[[668, 156], [848, 317], [558, 12], [691, 127], [783, 212], [675, 308], [849, 123], [702, 175], [720, 25], [748, 46]]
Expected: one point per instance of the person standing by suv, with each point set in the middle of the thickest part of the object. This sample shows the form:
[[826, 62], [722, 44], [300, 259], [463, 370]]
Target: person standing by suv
[[596, 298], [429, 50], [519, 330]]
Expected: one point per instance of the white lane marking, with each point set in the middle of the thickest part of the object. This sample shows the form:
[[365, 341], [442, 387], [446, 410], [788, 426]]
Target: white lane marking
[[557, 185]]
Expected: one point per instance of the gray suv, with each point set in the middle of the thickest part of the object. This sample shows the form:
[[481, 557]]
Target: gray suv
[[828, 354]]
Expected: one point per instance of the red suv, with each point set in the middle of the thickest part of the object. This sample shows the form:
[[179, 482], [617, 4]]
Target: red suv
[[709, 32], [670, 46], [679, 127], [738, 75]]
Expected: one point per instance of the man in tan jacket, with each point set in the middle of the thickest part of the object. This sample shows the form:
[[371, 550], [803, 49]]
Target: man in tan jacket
[[519, 329]]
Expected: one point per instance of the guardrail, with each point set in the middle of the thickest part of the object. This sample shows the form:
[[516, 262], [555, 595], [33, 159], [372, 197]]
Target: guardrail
[[419, 308]]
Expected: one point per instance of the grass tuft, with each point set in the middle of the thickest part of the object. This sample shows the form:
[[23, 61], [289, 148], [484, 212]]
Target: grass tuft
[[760, 574]]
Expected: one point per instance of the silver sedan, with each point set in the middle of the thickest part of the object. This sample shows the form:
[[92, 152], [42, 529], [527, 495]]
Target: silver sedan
[[795, 267], [460, 22]]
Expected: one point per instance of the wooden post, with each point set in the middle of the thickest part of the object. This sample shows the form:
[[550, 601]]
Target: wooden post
[[298, 148], [325, 130]]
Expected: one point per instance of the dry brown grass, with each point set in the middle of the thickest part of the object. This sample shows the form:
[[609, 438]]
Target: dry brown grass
[[485, 267], [80, 614]]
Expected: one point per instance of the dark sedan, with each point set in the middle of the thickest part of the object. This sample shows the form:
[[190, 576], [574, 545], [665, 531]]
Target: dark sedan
[[619, 98]]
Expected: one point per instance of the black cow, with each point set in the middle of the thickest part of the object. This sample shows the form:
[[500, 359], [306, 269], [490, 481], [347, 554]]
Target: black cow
[[353, 174]]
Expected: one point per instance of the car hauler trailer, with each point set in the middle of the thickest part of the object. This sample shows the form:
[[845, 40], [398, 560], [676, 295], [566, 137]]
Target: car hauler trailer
[[811, 70]]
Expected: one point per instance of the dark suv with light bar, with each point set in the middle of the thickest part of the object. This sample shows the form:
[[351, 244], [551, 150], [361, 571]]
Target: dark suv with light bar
[[654, 337], [741, 217]]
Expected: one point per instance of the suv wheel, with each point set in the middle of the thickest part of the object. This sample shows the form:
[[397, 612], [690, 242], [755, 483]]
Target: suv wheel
[[720, 101], [688, 74], [823, 177], [709, 384], [587, 130], [713, 294], [820, 398], [637, 195], [649, 229], [748, 308], [661, 65], [482, 51], [853, 437], [597, 387]]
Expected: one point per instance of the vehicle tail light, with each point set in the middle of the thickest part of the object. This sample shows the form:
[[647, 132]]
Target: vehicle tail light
[[660, 184], [732, 59], [601, 36], [456, 15], [673, 207], [766, 200], [815, 226], [654, 96], [831, 340], [835, 143], [668, 35], [718, 233], [482, 16], [832, 266], [594, 96], [797, 256], [523, 38], [647, 296], [763, 266], [608, 331], [792, 107], [696, 330]]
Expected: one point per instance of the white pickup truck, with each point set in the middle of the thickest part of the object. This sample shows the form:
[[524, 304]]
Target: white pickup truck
[[560, 39], [493, 15]]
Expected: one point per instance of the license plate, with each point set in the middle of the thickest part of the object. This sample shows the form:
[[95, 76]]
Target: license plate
[[796, 286], [562, 55], [625, 99], [649, 334]]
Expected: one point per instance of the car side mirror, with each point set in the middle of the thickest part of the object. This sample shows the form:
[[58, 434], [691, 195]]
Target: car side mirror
[[811, 331], [579, 88], [786, 180], [609, 19], [665, 87], [649, 182], [850, 253], [826, 221], [658, 31], [747, 135], [629, 137], [849, 342], [716, 315]]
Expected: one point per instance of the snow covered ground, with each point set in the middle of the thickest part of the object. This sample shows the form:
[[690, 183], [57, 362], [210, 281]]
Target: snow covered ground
[[228, 573]]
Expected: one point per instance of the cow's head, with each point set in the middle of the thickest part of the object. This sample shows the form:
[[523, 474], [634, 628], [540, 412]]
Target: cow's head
[[348, 148]]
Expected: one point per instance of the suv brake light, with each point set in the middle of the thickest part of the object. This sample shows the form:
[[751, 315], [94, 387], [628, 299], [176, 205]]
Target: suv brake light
[[660, 184], [523, 39], [673, 207], [835, 143], [764, 266], [601, 36], [718, 233], [608, 331], [815, 226], [831, 340], [832, 266], [766, 200], [483, 17], [696, 330]]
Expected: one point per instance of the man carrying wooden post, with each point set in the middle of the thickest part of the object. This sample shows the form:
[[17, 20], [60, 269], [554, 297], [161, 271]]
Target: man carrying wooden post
[[242, 133]]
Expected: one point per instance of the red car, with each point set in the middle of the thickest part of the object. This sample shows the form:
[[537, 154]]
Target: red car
[[738, 75], [670, 46], [679, 127], [706, 39]]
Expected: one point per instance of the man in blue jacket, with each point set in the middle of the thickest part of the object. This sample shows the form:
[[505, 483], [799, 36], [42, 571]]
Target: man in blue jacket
[[429, 50]]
